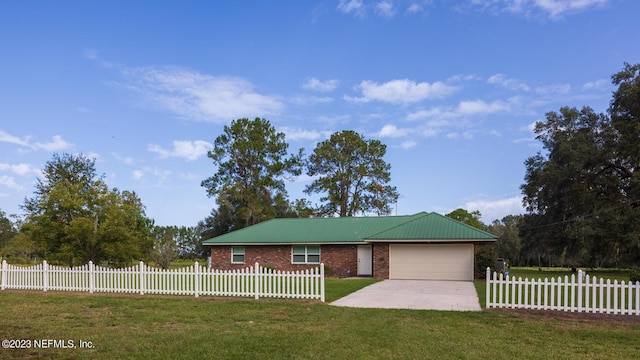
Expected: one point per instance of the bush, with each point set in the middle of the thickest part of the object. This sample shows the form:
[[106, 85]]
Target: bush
[[485, 257], [634, 275]]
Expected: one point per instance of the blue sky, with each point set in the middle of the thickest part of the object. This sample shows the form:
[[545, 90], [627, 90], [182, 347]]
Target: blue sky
[[453, 88]]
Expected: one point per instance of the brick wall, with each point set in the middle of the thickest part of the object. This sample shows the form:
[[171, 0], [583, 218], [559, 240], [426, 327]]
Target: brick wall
[[381, 261], [339, 260]]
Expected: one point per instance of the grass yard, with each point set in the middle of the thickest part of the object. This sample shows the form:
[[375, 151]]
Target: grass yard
[[132, 326]]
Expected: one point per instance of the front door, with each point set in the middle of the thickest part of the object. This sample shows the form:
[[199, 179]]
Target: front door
[[365, 257]]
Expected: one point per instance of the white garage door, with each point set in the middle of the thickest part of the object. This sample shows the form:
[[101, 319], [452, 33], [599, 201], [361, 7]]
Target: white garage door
[[431, 261]]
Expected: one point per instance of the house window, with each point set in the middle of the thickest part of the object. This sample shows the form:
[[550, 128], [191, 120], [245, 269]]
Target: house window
[[301, 254], [237, 254]]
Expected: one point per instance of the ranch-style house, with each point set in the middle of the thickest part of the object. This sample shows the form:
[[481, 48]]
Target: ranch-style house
[[420, 246]]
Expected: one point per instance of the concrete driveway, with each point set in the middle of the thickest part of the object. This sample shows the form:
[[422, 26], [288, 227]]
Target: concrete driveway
[[415, 294]]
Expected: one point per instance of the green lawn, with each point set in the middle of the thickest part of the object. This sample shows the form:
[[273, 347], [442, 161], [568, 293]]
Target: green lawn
[[158, 327]]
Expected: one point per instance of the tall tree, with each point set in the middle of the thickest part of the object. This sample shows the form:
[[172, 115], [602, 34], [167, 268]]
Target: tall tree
[[252, 162], [7, 229], [219, 222], [625, 119], [508, 245], [582, 193], [469, 218], [572, 181], [165, 245], [74, 217], [352, 174]]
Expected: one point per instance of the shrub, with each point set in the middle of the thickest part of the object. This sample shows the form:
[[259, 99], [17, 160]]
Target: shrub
[[634, 274], [485, 257]]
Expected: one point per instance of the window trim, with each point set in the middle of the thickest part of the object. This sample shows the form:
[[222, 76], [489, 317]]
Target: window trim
[[306, 254], [238, 254]]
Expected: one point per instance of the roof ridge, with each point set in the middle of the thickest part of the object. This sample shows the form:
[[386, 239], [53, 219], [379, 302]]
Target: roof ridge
[[345, 217], [414, 217], [465, 224]]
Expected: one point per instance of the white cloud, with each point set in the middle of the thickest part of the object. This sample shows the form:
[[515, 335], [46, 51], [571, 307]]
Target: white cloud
[[392, 131], [554, 89], [511, 84], [10, 182], [385, 9], [8, 138], [351, 6], [310, 100], [56, 143], [443, 115], [496, 209], [190, 176], [467, 135], [554, 9], [199, 96], [408, 144], [189, 150], [334, 120], [137, 174], [303, 134], [20, 169], [322, 86], [381, 8], [601, 84], [159, 175], [459, 121], [439, 113], [402, 91], [414, 8], [124, 159], [481, 107], [463, 77]]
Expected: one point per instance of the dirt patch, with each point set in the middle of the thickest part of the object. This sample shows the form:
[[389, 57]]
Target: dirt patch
[[551, 315], [83, 294]]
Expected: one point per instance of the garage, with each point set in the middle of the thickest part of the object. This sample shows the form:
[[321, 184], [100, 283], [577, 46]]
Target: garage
[[431, 261]]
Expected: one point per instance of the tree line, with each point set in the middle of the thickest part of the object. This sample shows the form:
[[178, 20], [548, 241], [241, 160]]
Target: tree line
[[74, 217], [582, 191]]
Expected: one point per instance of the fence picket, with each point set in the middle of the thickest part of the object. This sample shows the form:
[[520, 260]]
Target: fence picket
[[581, 293], [193, 280]]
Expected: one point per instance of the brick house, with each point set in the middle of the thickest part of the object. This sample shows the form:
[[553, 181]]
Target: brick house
[[419, 246]]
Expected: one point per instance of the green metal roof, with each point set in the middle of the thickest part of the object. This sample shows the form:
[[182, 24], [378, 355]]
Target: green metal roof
[[421, 226], [433, 226]]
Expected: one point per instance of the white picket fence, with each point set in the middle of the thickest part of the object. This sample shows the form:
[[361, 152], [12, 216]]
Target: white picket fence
[[581, 293], [254, 281]]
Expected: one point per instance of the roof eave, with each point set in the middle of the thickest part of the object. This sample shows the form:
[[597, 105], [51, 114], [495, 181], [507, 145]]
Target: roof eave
[[287, 243], [430, 240]]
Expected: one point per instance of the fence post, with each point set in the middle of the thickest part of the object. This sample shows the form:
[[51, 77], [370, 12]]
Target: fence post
[[3, 281], [637, 287], [45, 275], [142, 278], [196, 277], [488, 292], [322, 282], [91, 279], [257, 281], [580, 290]]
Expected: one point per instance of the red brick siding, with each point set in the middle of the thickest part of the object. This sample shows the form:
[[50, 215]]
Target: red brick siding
[[381, 261], [339, 260]]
